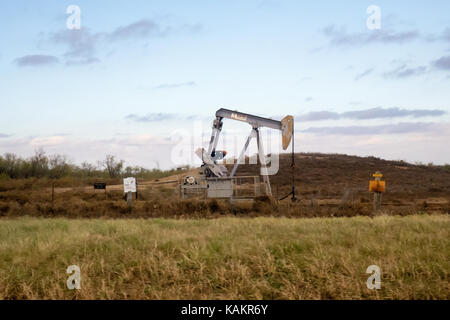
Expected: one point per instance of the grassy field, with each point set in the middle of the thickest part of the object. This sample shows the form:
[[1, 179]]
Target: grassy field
[[227, 258]]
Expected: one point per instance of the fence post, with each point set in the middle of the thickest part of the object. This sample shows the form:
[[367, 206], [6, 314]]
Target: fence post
[[277, 196], [377, 194], [129, 198], [377, 201], [53, 192]]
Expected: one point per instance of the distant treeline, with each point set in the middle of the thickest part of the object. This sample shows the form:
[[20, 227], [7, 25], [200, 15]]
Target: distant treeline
[[58, 166]]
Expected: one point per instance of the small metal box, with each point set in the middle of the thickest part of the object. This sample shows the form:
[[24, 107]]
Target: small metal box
[[220, 188]]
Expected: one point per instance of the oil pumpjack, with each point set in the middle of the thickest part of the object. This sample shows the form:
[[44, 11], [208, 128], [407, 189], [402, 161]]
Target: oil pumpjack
[[215, 178]]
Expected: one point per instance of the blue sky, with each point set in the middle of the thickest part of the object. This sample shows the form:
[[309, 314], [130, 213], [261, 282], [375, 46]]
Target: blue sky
[[137, 71]]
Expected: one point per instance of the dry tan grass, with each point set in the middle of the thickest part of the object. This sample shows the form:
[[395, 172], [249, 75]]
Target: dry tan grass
[[163, 201], [229, 258]]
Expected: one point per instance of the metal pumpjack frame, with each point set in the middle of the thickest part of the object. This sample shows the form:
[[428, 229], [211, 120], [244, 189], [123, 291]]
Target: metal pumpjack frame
[[216, 174]]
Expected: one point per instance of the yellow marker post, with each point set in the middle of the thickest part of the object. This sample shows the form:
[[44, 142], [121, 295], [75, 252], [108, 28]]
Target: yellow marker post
[[377, 186]]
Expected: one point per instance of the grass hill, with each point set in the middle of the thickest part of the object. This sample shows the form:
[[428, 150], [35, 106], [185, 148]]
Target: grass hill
[[334, 175]]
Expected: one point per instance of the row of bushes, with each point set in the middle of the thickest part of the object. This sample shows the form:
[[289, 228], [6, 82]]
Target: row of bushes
[[58, 166], [77, 208]]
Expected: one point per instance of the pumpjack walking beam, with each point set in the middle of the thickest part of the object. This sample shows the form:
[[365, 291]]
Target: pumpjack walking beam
[[285, 125]]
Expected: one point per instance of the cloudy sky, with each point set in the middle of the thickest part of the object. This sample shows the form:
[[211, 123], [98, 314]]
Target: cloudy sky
[[140, 76]]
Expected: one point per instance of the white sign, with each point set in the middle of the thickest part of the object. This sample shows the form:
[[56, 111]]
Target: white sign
[[129, 184]]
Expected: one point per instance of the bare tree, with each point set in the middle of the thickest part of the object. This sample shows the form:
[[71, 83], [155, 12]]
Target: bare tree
[[88, 169], [11, 165], [39, 163], [113, 166], [58, 166]]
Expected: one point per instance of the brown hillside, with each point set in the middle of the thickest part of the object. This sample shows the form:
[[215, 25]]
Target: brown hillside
[[331, 175]]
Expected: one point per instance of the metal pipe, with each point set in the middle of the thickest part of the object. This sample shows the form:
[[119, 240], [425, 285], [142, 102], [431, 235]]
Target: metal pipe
[[252, 133], [262, 160]]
